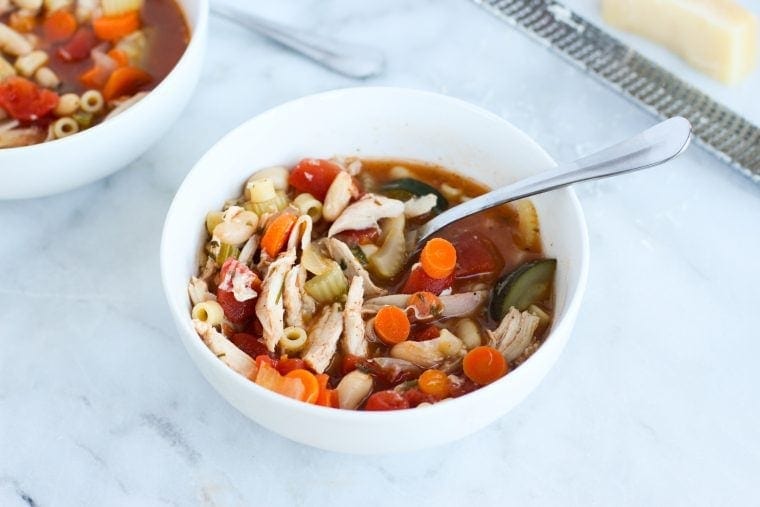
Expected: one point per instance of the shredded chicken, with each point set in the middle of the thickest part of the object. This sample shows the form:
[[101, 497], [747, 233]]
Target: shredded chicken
[[454, 305], [418, 206], [514, 334], [225, 349], [249, 249], [198, 291], [269, 307], [429, 353], [293, 295], [352, 267], [365, 213], [323, 338], [354, 342], [240, 280], [16, 137]]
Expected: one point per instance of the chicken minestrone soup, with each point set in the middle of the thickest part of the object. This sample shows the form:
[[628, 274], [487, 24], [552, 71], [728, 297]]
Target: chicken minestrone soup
[[310, 285], [66, 65]]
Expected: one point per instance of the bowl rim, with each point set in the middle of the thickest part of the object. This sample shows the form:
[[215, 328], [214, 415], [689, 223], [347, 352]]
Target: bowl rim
[[195, 44], [566, 320]]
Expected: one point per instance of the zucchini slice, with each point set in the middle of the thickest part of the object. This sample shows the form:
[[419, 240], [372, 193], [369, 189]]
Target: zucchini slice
[[527, 285], [404, 189]]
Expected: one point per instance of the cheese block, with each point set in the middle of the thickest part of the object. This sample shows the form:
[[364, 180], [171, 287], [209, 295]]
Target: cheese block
[[718, 37]]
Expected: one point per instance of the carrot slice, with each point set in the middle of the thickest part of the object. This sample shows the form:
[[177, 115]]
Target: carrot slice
[[270, 378], [392, 325], [94, 78], [277, 234], [484, 365], [59, 26], [112, 28], [119, 56], [125, 81], [310, 383], [438, 258], [434, 382]]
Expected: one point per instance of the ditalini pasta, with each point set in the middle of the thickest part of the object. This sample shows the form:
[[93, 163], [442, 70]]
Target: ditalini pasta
[[83, 61], [310, 285]]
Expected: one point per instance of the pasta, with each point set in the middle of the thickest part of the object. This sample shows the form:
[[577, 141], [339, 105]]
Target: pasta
[[293, 339], [389, 259], [91, 101], [64, 127], [307, 204], [209, 312]]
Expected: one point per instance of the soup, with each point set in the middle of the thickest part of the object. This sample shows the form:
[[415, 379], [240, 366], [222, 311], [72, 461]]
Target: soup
[[309, 285], [66, 65]]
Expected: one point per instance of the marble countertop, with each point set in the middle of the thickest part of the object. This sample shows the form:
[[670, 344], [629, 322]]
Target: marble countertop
[[654, 401]]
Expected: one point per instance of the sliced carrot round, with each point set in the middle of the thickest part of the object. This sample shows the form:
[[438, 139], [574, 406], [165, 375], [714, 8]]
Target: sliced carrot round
[[309, 381], [434, 382], [484, 365], [392, 325], [438, 258]]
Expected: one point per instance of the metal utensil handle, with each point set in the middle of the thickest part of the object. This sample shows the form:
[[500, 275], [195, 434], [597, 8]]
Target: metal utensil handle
[[351, 60], [723, 132], [651, 147]]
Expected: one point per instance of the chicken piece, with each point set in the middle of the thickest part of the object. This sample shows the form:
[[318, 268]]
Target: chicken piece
[[323, 338], [198, 291], [225, 349], [429, 353], [365, 213], [352, 267], [354, 342], [340, 193], [240, 280], [353, 389], [418, 206], [13, 138], [269, 307], [514, 334], [454, 305], [249, 249], [293, 293]]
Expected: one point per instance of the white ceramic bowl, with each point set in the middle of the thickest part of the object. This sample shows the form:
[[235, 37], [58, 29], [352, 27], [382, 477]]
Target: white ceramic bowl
[[373, 122], [63, 164]]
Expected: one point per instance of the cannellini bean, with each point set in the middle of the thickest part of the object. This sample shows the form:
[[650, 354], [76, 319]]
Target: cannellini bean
[[6, 69], [46, 78], [85, 9], [13, 42], [29, 5], [469, 332], [28, 64], [353, 389], [338, 196], [233, 233], [278, 175], [68, 104], [54, 5]]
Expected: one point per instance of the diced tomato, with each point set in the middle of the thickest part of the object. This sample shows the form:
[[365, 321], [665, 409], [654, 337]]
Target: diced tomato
[[425, 332], [349, 363], [79, 46], [414, 397], [386, 400], [476, 256], [24, 100], [287, 364], [254, 327], [238, 312], [419, 281], [314, 175], [360, 237], [462, 387], [249, 344]]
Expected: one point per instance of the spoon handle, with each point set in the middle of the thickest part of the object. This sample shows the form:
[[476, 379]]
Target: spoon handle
[[652, 147], [347, 59]]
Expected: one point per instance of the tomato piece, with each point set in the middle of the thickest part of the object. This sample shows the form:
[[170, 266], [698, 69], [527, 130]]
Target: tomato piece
[[287, 364], [386, 400], [24, 100], [349, 363], [414, 397], [425, 332], [314, 175], [238, 312], [360, 237], [476, 256], [234, 273], [249, 344], [79, 46], [462, 387], [419, 281]]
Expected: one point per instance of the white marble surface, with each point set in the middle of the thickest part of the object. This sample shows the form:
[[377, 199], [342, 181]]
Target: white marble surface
[[654, 402]]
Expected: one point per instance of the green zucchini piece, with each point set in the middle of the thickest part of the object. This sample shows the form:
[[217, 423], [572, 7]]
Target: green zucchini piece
[[404, 189], [527, 285]]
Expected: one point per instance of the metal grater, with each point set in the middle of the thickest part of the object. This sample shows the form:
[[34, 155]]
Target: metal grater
[[717, 128]]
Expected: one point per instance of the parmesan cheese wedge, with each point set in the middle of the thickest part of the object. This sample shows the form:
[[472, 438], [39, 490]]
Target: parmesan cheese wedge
[[717, 37]]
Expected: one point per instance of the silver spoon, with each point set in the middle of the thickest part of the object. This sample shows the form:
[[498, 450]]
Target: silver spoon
[[652, 147], [350, 60]]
